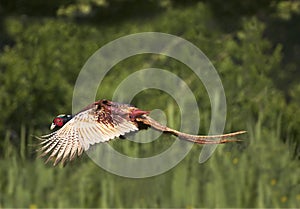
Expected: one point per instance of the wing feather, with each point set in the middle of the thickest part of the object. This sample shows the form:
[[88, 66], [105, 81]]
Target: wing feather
[[75, 147], [83, 130], [67, 151], [49, 146]]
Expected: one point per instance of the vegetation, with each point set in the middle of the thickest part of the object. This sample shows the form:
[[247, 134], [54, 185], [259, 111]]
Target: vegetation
[[255, 51]]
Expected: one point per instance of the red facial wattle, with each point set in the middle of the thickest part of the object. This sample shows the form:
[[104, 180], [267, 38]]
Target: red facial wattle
[[58, 122]]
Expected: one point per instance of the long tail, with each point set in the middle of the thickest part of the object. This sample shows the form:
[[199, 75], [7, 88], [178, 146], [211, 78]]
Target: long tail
[[223, 138]]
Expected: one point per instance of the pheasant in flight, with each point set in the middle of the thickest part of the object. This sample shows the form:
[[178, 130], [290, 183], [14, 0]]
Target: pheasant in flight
[[104, 120]]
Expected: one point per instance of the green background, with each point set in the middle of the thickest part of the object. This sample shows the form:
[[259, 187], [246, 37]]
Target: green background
[[255, 48]]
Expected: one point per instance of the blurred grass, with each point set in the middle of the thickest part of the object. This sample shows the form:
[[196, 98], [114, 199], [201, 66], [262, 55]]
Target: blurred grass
[[256, 173], [37, 75]]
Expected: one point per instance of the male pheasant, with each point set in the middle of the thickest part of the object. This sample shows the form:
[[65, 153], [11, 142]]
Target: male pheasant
[[102, 121]]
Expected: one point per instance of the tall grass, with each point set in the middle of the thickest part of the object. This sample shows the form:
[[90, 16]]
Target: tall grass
[[257, 173]]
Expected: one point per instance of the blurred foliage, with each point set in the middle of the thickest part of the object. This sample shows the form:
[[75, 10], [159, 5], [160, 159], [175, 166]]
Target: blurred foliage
[[255, 49]]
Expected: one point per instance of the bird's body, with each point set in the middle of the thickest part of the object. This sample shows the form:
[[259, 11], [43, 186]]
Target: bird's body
[[102, 121]]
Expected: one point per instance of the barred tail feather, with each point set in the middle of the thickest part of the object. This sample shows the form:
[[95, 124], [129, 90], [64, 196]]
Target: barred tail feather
[[223, 138]]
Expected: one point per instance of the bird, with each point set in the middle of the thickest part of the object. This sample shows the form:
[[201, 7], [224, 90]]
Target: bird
[[102, 121]]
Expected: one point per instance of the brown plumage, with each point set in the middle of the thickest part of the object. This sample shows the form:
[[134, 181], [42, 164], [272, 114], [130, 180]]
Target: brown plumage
[[102, 121]]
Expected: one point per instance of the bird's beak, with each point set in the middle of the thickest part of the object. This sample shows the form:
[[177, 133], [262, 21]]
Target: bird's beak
[[52, 126]]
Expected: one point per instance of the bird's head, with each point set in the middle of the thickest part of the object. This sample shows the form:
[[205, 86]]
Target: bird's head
[[59, 121]]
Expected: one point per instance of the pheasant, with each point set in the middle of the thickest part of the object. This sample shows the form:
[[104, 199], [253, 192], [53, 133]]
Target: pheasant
[[102, 121]]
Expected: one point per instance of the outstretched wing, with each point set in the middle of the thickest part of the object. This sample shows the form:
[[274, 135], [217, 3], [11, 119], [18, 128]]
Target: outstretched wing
[[93, 125]]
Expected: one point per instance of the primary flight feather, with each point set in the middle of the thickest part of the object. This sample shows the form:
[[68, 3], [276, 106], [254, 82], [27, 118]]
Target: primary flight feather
[[102, 121]]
